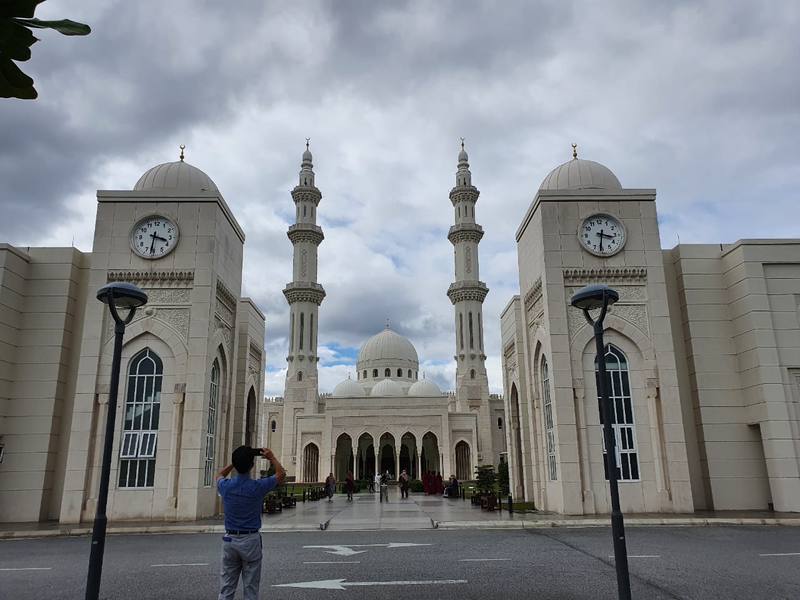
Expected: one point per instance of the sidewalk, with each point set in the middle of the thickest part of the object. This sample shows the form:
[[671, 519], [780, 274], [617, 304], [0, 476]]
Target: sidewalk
[[417, 512]]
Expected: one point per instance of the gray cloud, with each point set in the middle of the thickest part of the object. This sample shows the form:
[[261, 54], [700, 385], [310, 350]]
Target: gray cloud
[[696, 99]]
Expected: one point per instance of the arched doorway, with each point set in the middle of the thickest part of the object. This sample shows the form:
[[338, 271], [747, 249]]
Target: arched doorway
[[388, 455], [343, 460], [516, 440], [409, 455], [430, 454], [365, 457], [250, 419], [463, 463], [311, 463]]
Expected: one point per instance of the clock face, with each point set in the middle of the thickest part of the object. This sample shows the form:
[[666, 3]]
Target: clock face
[[154, 237], [602, 235]]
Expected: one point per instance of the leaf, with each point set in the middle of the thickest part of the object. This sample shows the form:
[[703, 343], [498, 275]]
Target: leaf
[[15, 40], [64, 26], [9, 87], [18, 8], [12, 73]]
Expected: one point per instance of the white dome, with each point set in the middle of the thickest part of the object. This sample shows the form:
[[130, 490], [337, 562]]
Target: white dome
[[387, 387], [348, 389], [178, 176], [580, 174], [388, 346], [424, 388]]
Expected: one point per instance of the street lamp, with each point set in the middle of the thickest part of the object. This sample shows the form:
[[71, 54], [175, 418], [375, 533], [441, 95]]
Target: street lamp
[[589, 298], [117, 296]]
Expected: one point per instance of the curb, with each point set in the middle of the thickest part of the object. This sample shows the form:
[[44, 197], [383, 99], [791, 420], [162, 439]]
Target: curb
[[632, 522], [139, 530]]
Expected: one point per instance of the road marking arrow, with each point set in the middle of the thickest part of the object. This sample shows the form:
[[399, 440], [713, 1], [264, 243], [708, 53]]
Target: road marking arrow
[[340, 584], [347, 550]]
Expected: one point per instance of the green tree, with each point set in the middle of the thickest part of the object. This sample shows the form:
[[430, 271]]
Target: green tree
[[16, 39], [485, 479], [502, 477]]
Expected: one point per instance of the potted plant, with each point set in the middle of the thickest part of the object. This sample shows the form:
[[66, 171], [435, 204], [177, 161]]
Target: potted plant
[[485, 481]]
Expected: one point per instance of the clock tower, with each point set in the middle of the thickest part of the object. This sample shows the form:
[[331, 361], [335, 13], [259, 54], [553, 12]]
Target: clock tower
[[583, 227]]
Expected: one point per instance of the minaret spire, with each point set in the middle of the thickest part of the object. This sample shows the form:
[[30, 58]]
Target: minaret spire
[[304, 294], [467, 292]]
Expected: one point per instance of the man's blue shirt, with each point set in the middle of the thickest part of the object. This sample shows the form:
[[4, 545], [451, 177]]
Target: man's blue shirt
[[242, 498]]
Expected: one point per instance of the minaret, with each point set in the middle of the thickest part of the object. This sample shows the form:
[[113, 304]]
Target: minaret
[[467, 294], [304, 294]]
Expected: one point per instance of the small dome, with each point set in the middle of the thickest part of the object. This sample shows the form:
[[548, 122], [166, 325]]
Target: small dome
[[387, 387], [178, 176], [424, 388], [348, 389], [580, 174], [388, 345]]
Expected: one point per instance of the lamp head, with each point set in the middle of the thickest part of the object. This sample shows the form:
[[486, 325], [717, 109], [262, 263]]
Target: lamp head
[[593, 296], [123, 295]]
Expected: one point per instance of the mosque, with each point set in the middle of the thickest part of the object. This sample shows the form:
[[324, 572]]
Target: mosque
[[387, 418]]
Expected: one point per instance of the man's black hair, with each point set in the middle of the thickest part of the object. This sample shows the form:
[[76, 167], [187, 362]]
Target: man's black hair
[[242, 458]]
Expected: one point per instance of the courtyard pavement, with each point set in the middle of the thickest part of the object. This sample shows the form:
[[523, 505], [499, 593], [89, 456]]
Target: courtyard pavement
[[417, 512]]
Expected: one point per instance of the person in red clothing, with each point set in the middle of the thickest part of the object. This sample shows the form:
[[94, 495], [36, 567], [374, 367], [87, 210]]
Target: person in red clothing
[[439, 483]]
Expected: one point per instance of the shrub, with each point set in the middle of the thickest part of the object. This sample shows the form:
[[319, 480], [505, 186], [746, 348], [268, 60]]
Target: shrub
[[416, 485]]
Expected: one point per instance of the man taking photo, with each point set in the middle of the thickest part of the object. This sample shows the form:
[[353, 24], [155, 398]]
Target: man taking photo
[[242, 498]]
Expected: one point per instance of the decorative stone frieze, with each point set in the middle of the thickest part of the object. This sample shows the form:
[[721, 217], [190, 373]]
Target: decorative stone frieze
[[225, 309], [167, 296], [467, 290], [605, 274], [305, 232], [307, 193], [464, 193], [465, 232], [304, 291], [180, 278]]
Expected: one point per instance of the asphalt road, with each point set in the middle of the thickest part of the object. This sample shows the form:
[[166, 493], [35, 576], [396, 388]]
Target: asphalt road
[[704, 563]]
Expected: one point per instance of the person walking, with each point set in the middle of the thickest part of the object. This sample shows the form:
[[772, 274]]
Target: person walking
[[330, 487], [404, 484], [242, 499], [349, 486]]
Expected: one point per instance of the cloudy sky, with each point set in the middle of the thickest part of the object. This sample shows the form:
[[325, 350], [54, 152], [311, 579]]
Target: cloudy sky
[[700, 100]]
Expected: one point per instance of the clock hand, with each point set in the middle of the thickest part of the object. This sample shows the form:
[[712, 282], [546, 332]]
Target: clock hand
[[152, 244], [600, 235], [158, 237]]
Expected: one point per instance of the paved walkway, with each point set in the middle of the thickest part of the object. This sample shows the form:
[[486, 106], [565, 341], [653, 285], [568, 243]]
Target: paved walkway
[[417, 512]]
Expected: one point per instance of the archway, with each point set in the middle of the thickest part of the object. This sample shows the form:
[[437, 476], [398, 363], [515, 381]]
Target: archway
[[409, 455], [343, 461], [250, 419], [430, 458], [388, 455], [365, 457], [516, 432], [311, 463], [463, 463]]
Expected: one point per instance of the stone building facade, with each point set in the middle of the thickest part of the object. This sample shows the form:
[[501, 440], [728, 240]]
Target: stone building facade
[[703, 352], [192, 362]]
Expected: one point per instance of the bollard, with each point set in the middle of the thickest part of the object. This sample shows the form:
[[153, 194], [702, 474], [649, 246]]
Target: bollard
[[510, 505], [499, 503], [463, 493]]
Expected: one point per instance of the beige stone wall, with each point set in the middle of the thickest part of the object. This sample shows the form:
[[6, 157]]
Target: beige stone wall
[[41, 296]]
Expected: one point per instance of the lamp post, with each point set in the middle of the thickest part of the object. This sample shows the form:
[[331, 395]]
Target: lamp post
[[589, 298], [116, 296]]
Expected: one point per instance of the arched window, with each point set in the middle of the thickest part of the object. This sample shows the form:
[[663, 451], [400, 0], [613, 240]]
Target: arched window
[[211, 424], [471, 337], [548, 422], [374, 373], [310, 463], [472, 373], [399, 372], [311, 332], [273, 426], [291, 336], [409, 373], [365, 373], [416, 374], [463, 466], [137, 465], [299, 376], [387, 372], [461, 329], [480, 331], [304, 210], [458, 211], [499, 422], [302, 328], [618, 386]]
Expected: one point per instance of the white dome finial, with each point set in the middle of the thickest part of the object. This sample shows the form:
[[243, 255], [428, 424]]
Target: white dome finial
[[463, 175], [307, 167]]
